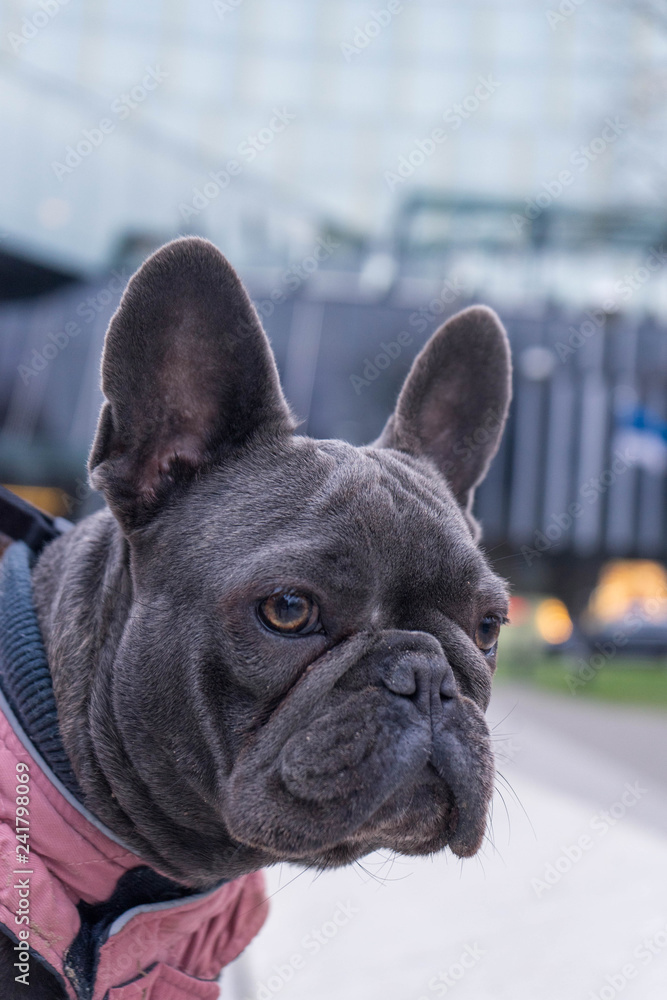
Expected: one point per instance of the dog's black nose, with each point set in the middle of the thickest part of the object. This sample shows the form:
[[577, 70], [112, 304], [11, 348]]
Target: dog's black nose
[[420, 676]]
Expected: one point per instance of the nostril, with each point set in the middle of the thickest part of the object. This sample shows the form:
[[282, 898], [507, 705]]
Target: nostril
[[417, 677], [413, 665], [448, 688], [401, 679]]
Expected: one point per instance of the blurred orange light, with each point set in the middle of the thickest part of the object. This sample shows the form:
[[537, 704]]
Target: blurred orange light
[[553, 621], [630, 585]]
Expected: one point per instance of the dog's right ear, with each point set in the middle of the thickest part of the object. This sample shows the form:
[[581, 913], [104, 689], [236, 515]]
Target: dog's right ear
[[188, 376]]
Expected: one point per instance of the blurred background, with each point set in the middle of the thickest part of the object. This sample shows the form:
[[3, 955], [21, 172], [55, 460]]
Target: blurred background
[[370, 169]]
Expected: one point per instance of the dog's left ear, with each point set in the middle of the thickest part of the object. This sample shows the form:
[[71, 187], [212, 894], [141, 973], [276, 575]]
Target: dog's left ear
[[453, 405], [188, 376]]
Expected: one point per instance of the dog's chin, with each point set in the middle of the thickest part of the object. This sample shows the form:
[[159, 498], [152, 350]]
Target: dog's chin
[[414, 821]]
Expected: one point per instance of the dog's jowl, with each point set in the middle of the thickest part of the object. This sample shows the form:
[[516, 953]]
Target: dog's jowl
[[265, 648]]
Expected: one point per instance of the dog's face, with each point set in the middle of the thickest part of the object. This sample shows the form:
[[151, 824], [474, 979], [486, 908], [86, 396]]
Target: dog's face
[[312, 635]]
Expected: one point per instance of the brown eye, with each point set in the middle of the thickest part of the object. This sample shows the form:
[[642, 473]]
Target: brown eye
[[290, 614], [487, 632]]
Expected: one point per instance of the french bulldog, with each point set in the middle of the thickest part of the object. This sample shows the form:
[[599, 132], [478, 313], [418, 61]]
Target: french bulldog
[[270, 648]]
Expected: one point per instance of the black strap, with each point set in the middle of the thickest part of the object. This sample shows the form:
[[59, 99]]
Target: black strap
[[24, 523]]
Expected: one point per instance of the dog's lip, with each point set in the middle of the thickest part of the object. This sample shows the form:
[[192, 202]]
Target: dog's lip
[[467, 832], [462, 831], [373, 836], [454, 817], [466, 824]]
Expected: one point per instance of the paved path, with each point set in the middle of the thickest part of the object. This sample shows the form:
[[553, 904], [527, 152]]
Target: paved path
[[569, 903]]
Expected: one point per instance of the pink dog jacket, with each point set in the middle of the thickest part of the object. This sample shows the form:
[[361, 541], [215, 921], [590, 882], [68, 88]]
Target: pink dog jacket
[[66, 880]]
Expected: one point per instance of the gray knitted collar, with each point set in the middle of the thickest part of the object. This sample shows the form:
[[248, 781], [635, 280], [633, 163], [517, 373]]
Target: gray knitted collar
[[25, 678]]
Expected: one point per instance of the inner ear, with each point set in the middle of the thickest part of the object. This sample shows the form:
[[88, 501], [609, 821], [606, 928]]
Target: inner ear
[[188, 375]]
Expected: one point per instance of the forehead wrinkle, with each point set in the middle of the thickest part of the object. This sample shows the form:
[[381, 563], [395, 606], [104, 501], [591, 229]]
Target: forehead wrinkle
[[352, 498], [367, 477], [430, 519], [416, 479], [434, 525], [380, 506]]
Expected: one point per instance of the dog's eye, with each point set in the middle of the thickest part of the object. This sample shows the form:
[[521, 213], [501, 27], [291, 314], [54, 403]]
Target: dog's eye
[[487, 632], [289, 613]]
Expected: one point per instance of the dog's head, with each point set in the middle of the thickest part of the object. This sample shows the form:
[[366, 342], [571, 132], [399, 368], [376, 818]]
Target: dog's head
[[308, 656]]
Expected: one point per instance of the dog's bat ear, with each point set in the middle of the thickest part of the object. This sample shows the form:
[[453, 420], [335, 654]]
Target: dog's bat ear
[[188, 376], [453, 405]]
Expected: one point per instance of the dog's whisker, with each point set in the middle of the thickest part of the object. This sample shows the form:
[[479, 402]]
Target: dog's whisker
[[505, 717], [488, 840], [515, 796], [507, 814], [280, 888]]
